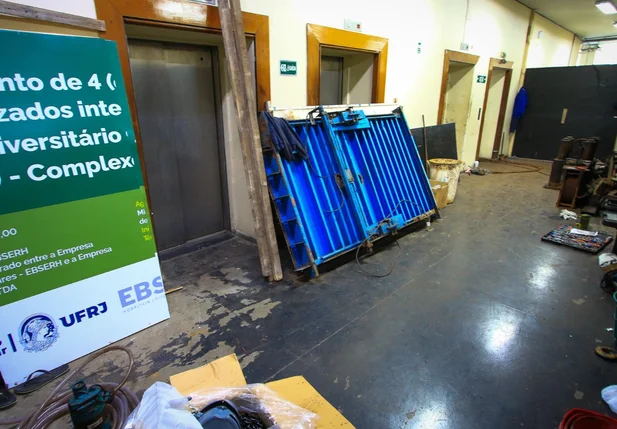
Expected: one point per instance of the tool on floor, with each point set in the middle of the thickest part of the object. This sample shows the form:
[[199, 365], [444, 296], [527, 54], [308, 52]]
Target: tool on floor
[[565, 235]]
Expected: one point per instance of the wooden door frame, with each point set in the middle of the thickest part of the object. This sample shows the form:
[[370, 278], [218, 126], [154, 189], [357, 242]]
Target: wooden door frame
[[496, 63], [318, 36], [182, 16], [451, 57]]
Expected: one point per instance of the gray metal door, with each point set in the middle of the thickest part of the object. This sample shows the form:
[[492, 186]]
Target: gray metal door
[[175, 95]]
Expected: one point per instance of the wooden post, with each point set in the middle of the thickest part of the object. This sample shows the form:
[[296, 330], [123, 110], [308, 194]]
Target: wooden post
[[246, 114]]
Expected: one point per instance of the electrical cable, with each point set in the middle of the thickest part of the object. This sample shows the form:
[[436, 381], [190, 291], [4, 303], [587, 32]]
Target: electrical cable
[[55, 406], [527, 168], [400, 252]]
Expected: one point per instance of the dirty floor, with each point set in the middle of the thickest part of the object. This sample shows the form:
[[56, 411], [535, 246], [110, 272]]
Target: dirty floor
[[480, 324]]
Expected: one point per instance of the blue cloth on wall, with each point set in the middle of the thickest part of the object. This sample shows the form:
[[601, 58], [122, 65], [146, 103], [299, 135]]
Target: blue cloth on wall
[[520, 104]]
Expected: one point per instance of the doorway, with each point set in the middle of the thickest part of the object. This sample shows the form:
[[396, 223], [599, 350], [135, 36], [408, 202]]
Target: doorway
[[346, 77], [455, 96], [491, 136], [355, 62], [175, 94]]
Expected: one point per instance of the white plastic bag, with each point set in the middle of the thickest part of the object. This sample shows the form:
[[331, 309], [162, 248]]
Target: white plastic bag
[[162, 407], [567, 214], [607, 259], [609, 394]]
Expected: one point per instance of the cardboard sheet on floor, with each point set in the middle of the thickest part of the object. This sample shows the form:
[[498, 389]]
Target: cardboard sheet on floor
[[226, 372]]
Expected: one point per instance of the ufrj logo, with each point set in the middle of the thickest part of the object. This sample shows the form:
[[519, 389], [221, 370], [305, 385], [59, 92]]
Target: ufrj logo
[[38, 333]]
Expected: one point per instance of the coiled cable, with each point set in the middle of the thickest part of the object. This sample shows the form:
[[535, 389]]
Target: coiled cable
[[55, 406]]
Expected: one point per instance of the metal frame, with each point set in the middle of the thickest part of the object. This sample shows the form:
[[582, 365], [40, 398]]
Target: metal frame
[[367, 162]]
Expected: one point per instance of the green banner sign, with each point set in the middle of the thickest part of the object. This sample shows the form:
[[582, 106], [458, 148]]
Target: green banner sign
[[71, 189]]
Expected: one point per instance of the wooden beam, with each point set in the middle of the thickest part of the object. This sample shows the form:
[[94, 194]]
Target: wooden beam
[[250, 141], [40, 14]]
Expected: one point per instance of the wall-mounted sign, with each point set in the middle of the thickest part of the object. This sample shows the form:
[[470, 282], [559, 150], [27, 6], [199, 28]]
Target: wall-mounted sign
[[481, 78], [289, 67], [78, 264]]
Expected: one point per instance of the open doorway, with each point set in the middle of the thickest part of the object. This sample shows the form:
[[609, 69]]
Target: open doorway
[[344, 67], [346, 77], [491, 136], [455, 97]]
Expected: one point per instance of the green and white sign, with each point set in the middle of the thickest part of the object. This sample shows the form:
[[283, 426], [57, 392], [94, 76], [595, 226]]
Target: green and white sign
[[481, 78], [289, 67], [78, 264]]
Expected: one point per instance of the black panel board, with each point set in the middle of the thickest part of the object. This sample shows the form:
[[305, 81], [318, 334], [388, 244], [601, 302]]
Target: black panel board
[[590, 95], [441, 141]]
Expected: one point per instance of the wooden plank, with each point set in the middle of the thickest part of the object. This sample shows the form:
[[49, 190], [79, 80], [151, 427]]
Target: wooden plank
[[40, 14], [246, 114]]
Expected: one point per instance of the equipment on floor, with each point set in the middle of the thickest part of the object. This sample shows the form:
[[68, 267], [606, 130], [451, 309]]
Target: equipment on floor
[[362, 179], [219, 415], [587, 241], [225, 414], [87, 406], [554, 180], [86, 403], [577, 174]]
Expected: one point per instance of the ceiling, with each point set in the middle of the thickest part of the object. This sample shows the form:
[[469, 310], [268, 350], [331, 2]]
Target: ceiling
[[581, 17]]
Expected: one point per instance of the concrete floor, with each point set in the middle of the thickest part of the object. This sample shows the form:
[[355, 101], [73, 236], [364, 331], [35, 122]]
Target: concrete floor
[[480, 325]]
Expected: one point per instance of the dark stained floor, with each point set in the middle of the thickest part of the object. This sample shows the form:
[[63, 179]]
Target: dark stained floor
[[480, 325]]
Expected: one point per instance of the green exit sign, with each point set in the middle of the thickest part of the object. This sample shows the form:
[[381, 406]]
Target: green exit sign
[[289, 67], [481, 78]]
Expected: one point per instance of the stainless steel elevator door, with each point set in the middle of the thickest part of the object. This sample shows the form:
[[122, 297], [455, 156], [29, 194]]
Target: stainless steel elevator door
[[175, 96]]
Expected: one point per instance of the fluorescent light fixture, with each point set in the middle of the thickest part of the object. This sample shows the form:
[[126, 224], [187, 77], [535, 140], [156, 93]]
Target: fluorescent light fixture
[[606, 6]]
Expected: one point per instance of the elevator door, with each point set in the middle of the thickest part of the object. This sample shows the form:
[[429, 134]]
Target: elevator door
[[175, 96]]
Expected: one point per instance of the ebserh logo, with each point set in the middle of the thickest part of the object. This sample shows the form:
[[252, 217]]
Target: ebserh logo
[[38, 333], [142, 291]]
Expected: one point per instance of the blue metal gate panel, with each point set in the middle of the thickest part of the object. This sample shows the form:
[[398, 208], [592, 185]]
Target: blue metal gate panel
[[388, 173], [359, 173], [325, 208]]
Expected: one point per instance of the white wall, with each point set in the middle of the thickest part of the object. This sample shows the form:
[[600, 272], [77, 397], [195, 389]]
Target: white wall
[[76, 7], [491, 27], [607, 54], [550, 45]]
